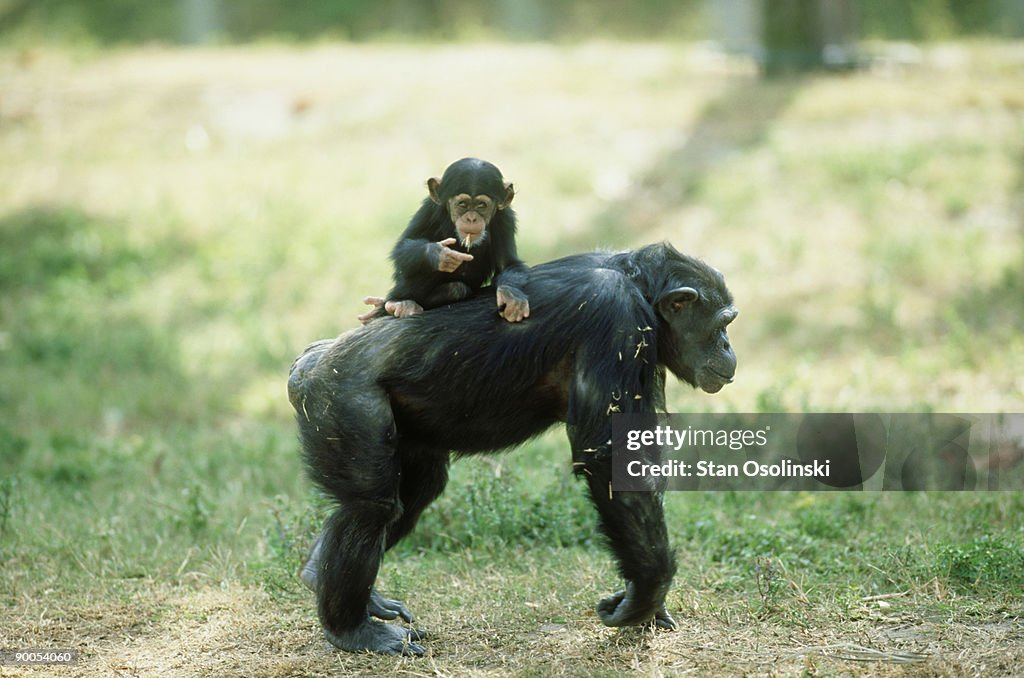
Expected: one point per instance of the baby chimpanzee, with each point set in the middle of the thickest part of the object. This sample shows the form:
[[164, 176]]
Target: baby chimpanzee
[[462, 235]]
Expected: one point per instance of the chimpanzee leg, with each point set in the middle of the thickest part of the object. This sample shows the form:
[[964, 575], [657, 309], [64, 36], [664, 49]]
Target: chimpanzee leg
[[424, 476], [378, 606], [350, 450], [447, 293], [634, 523]]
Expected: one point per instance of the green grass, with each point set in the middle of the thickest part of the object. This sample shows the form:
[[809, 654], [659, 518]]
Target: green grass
[[175, 226]]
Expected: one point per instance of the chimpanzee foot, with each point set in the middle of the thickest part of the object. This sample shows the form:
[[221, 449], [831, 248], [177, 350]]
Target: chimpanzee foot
[[403, 309], [377, 637], [624, 608], [663, 620]]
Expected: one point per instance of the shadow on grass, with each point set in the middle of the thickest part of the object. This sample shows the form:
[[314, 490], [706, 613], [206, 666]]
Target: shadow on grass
[[734, 123], [999, 305], [75, 344]]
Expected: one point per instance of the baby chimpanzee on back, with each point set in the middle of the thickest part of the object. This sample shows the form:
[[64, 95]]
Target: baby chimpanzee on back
[[462, 236]]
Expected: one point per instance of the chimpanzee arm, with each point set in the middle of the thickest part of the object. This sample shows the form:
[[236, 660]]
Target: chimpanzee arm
[[417, 254], [513, 276], [509, 270], [633, 522], [415, 258], [510, 277]]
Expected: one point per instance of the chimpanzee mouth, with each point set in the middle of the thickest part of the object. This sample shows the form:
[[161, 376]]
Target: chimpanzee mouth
[[469, 240], [718, 375], [712, 381]]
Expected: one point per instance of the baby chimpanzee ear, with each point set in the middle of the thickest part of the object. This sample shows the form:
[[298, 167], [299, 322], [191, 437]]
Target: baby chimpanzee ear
[[433, 188], [510, 192]]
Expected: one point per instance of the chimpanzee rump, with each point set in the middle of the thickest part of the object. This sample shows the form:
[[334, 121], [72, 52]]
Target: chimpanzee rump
[[381, 408], [463, 234]]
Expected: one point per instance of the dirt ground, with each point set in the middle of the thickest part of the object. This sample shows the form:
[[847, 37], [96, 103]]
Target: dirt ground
[[236, 631]]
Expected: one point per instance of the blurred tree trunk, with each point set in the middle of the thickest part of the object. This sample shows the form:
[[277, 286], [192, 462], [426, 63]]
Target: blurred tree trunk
[[524, 19], [201, 21], [807, 35], [1010, 18], [12, 12], [791, 37]]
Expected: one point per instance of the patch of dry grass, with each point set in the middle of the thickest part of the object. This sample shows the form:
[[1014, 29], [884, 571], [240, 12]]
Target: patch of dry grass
[[234, 630]]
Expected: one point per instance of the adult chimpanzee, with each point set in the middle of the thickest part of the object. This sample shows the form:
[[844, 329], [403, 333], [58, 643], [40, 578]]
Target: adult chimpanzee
[[381, 407], [467, 210]]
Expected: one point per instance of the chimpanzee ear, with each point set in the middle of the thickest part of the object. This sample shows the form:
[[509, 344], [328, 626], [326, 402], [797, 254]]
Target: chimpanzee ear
[[433, 188], [676, 300], [510, 192]]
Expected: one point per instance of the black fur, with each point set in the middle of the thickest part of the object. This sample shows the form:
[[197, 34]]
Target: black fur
[[380, 409]]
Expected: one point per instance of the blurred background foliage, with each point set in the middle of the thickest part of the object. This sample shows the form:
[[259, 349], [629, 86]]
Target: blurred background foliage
[[234, 21]]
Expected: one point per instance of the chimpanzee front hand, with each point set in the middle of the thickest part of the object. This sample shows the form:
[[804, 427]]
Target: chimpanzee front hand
[[513, 305], [385, 608], [448, 259], [625, 608]]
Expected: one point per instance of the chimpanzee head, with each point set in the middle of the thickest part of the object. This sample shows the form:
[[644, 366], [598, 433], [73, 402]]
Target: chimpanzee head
[[472, 191], [694, 307]]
